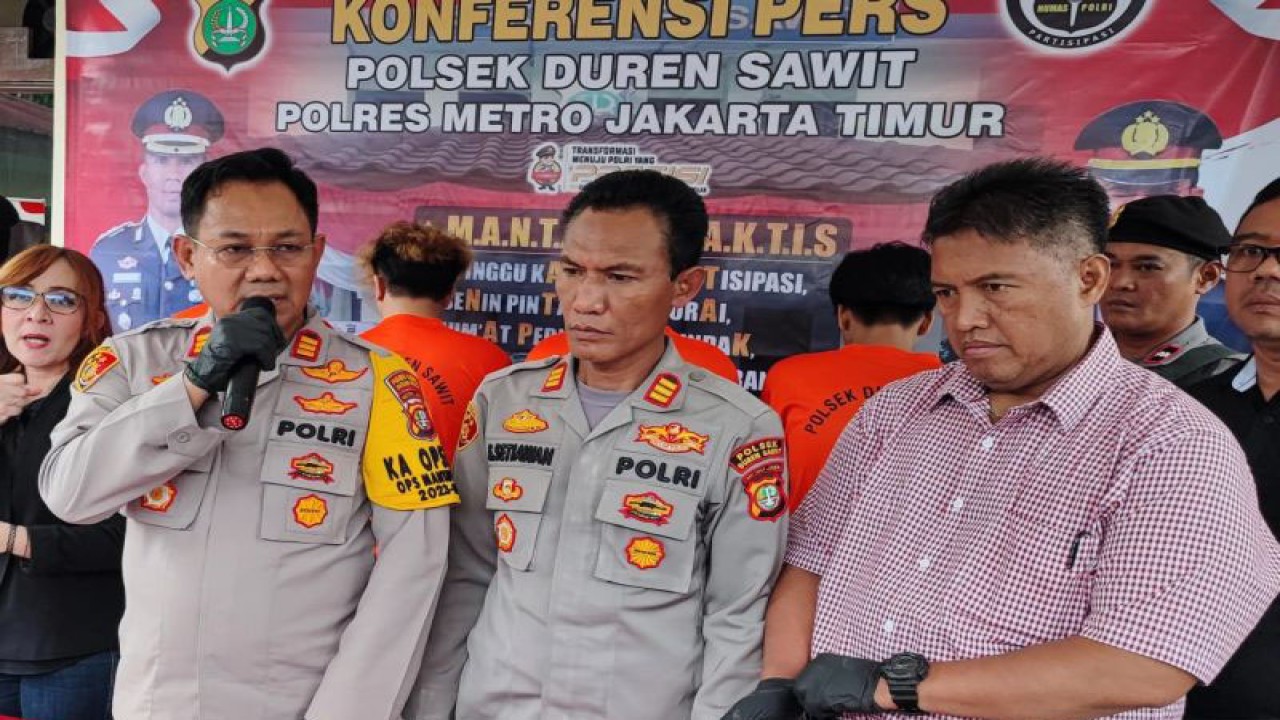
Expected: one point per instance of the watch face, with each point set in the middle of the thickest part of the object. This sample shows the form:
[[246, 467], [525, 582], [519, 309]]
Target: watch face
[[907, 665]]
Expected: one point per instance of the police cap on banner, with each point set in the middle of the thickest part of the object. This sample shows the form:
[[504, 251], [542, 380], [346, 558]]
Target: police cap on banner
[[1182, 223], [1148, 143], [177, 122]]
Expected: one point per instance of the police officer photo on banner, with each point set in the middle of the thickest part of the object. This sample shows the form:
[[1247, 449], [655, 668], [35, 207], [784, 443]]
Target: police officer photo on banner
[[177, 129]]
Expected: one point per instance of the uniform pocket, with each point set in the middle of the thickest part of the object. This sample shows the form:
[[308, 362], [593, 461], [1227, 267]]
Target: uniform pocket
[[516, 496], [174, 503], [308, 493], [646, 536]]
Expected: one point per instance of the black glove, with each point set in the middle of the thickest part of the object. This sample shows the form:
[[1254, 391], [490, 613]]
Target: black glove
[[833, 684], [773, 699], [251, 335]]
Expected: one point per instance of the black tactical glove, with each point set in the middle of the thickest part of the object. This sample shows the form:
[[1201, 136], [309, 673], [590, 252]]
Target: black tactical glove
[[833, 684], [249, 335], [773, 699]]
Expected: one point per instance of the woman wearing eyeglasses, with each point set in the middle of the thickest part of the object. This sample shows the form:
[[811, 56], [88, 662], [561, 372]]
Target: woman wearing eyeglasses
[[61, 594]]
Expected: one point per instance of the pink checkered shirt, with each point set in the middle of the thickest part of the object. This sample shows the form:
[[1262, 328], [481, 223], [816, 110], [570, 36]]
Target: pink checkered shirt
[[1115, 508]]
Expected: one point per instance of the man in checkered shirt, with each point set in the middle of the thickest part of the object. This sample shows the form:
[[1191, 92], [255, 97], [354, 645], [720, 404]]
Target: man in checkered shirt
[[1042, 530]]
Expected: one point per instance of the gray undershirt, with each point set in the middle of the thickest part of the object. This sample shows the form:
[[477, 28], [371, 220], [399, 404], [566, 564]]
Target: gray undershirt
[[596, 404]]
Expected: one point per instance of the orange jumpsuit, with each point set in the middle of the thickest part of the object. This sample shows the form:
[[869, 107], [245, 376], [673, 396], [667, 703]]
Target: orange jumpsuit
[[817, 394], [450, 365], [694, 351]]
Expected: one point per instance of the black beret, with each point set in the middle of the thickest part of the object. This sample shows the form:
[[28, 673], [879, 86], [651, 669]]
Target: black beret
[[1182, 223]]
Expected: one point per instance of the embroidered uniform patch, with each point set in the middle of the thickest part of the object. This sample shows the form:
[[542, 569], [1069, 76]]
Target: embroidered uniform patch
[[334, 372], [555, 378], [404, 385], [645, 552], [95, 365], [525, 422], [310, 511], [326, 404], [663, 390], [755, 452], [470, 427], [306, 345], [313, 467], [647, 507], [505, 531], [766, 497], [160, 498], [198, 340], [673, 438], [508, 489]]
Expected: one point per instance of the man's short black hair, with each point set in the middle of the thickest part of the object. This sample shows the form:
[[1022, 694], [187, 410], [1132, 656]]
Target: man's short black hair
[[1051, 205], [1264, 196], [263, 165], [888, 283], [672, 202]]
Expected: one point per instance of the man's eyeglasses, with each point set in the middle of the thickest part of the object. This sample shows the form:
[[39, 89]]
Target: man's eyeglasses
[[21, 297], [1247, 257], [240, 255]]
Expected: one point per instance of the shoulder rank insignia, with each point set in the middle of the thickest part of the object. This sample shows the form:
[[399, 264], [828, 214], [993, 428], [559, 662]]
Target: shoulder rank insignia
[[663, 390], [198, 340], [306, 345], [555, 378]]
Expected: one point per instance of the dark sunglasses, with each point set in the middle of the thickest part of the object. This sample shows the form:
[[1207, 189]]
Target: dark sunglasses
[[21, 297]]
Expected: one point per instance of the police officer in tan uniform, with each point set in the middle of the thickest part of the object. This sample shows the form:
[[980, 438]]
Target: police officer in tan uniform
[[251, 586], [623, 512], [1165, 255]]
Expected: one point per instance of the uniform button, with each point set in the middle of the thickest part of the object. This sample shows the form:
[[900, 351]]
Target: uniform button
[[957, 505], [924, 563], [987, 443], [168, 284], [888, 626], [697, 376], [181, 437]]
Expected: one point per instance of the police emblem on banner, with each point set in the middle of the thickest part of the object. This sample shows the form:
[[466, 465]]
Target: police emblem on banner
[[229, 32], [1072, 24]]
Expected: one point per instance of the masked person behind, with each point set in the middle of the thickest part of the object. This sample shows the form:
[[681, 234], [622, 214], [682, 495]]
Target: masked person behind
[[1164, 252], [61, 595], [623, 511], [414, 269], [252, 590]]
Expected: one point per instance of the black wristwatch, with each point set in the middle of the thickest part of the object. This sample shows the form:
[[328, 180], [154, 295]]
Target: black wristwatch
[[903, 672]]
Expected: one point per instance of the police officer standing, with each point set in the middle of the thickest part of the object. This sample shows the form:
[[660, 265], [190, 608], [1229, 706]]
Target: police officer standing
[[250, 578], [623, 510], [143, 279], [1164, 253]]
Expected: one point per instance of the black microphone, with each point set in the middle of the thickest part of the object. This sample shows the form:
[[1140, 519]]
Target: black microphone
[[237, 402]]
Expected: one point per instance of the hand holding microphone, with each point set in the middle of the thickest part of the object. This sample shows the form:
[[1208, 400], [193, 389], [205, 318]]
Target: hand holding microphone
[[239, 347]]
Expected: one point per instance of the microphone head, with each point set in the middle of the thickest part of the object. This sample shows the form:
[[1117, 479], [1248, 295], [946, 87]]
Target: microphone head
[[257, 301]]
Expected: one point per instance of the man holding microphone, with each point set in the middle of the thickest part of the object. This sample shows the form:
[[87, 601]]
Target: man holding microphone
[[251, 584]]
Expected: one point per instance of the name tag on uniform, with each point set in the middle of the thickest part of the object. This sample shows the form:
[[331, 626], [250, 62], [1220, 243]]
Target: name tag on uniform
[[127, 277]]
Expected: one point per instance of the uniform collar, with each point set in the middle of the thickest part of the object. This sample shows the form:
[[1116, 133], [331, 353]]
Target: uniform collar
[[309, 347], [1247, 377], [663, 391], [1193, 336], [1069, 399]]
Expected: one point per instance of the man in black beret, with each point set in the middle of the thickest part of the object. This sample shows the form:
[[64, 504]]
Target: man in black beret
[[1165, 253]]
